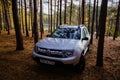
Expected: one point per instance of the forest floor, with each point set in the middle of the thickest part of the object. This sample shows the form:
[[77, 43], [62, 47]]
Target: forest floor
[[19, 65]]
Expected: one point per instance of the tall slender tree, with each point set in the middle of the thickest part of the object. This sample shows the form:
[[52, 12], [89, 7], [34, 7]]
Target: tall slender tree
[[19, 39], [93, 18], [6, 16], [4, 21], [19, 12], [35, 24], [41, 19], [54, 14], [102, 23], [60, 12], [0, 18], [65, 11], [22, 24], [51, 16], [26, 26], [79, 13], [97, 23], [117, 22], [89, 19], [57, 22], [71, 10], [83, 10], [29, 15]]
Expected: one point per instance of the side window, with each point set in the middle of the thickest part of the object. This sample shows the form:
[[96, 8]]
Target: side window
[[84, 32]]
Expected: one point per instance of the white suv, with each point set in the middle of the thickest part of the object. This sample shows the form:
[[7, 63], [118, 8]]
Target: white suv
[[66, 45]]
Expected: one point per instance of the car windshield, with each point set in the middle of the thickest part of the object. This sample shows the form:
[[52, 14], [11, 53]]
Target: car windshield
[[67, 33]]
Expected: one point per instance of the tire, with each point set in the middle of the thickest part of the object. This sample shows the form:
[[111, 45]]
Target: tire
[[81, 65]]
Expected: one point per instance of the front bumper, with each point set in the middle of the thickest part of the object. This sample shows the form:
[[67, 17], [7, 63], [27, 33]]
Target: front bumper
[[67, 61]]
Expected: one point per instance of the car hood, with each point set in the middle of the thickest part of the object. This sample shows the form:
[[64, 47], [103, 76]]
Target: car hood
[[58, 43]]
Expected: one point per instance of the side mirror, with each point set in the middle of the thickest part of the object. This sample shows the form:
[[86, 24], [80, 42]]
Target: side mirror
[[48, 35], [85, 38]]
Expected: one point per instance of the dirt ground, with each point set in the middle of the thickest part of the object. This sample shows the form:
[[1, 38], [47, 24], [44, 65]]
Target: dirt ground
[[19, 65]]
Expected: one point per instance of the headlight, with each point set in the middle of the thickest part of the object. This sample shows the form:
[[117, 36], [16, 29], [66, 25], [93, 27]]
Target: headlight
[[67, 53]]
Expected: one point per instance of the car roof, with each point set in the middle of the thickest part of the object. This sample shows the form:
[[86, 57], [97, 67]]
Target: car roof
[[71, 26]]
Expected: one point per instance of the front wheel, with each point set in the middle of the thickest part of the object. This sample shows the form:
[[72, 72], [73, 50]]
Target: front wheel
[[81, 65]]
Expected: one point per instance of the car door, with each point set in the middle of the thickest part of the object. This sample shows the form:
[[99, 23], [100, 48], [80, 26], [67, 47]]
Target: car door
[[84, 35]]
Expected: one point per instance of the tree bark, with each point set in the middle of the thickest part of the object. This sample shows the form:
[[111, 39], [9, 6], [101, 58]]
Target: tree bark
[[71, 10], [60, 12], [26, 27], [65, 12], [31, 13], [79, 15], [35, 25], [41, 19], [93, 18], [57, 22], [102, 25], [117, 22], [22, 24], [0, 19], [54, 14], [19, 39], [83, 10], [89, 16], [6, 16], [97, 23], [51, 16]]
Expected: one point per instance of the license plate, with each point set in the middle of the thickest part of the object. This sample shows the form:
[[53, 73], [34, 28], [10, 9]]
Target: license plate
[[47, 62]]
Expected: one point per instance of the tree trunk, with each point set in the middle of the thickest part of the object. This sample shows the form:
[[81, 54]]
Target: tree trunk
[[4, 21], [102, 24], [19, 39], [97, 19], [6, 16], [0, 21], [35, 24], [19, 12], [71, 10], [57, 14], [65, 12], [79, 15], [41, 19], [8, 13], [54, 14], [31, 13], [22, 24], [93, 18], [89, 16], [83, 10], [51, 16], [26, 27], [60, 12], [117, 22]]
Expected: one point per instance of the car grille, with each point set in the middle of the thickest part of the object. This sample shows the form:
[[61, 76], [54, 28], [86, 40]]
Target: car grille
[[50, 54]]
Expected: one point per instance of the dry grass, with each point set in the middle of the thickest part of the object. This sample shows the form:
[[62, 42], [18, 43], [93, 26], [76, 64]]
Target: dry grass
[[18, 65]]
